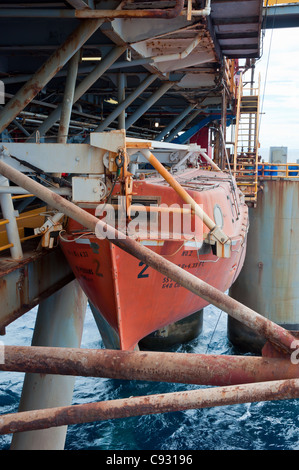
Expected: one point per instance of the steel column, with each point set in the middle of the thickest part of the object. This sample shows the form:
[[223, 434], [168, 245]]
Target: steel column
[[68, 98], [277, 335], [59, 323], [121, 82], [48, 70], [122, 106], [150, 404], [86, 83], [175, 122], [182, 125], [148, 103]]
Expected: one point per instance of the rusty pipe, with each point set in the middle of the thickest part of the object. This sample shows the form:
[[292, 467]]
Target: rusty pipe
[[277, 335], [150, 404], [200, 369], [169, 13]]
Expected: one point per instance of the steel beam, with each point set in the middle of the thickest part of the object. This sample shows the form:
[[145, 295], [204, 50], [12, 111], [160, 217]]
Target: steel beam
[[82, 70], [55, 158], [195, 128], [21, 128], [175, 122], [281, 16], [86, 83], [148, 103], [17, 190], [122, 106], [48, 70], [121, 94], [182, 125], [168, 13], [68, 99]]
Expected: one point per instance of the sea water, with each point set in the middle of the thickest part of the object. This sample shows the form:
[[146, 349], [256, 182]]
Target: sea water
[[252, 426]]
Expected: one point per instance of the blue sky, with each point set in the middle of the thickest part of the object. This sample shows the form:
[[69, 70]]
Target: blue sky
[[280, 89]]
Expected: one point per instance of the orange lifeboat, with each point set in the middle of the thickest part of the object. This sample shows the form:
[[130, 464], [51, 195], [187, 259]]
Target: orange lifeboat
[[133, 298]]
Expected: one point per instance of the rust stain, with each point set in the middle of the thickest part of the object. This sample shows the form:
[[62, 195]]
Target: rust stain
[[153, 13]]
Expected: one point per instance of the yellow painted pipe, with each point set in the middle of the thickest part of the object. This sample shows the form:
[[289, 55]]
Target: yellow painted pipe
[[21, 196], [4, 222], [5, 247]]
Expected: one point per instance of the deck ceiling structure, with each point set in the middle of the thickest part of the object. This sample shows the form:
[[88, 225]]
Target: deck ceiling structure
[[186, 55]]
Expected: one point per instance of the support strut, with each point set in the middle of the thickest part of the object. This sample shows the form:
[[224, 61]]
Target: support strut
[[149, 404]]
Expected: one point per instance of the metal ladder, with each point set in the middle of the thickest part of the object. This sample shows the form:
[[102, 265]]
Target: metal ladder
[[246, 141]]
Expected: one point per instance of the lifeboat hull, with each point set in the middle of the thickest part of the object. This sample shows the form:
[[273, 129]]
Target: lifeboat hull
[[135, 299]]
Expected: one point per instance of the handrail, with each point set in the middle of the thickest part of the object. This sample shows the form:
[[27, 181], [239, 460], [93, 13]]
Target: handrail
[[268, 170], [278, 170]]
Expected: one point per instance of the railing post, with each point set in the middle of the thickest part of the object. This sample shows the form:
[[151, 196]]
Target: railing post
[[68, 99], [11, 227]]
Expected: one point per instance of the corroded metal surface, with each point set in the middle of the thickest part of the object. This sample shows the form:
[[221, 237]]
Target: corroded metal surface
[[269, 280], [150, 404], [49, 69], [23, 284], [200, 369]]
